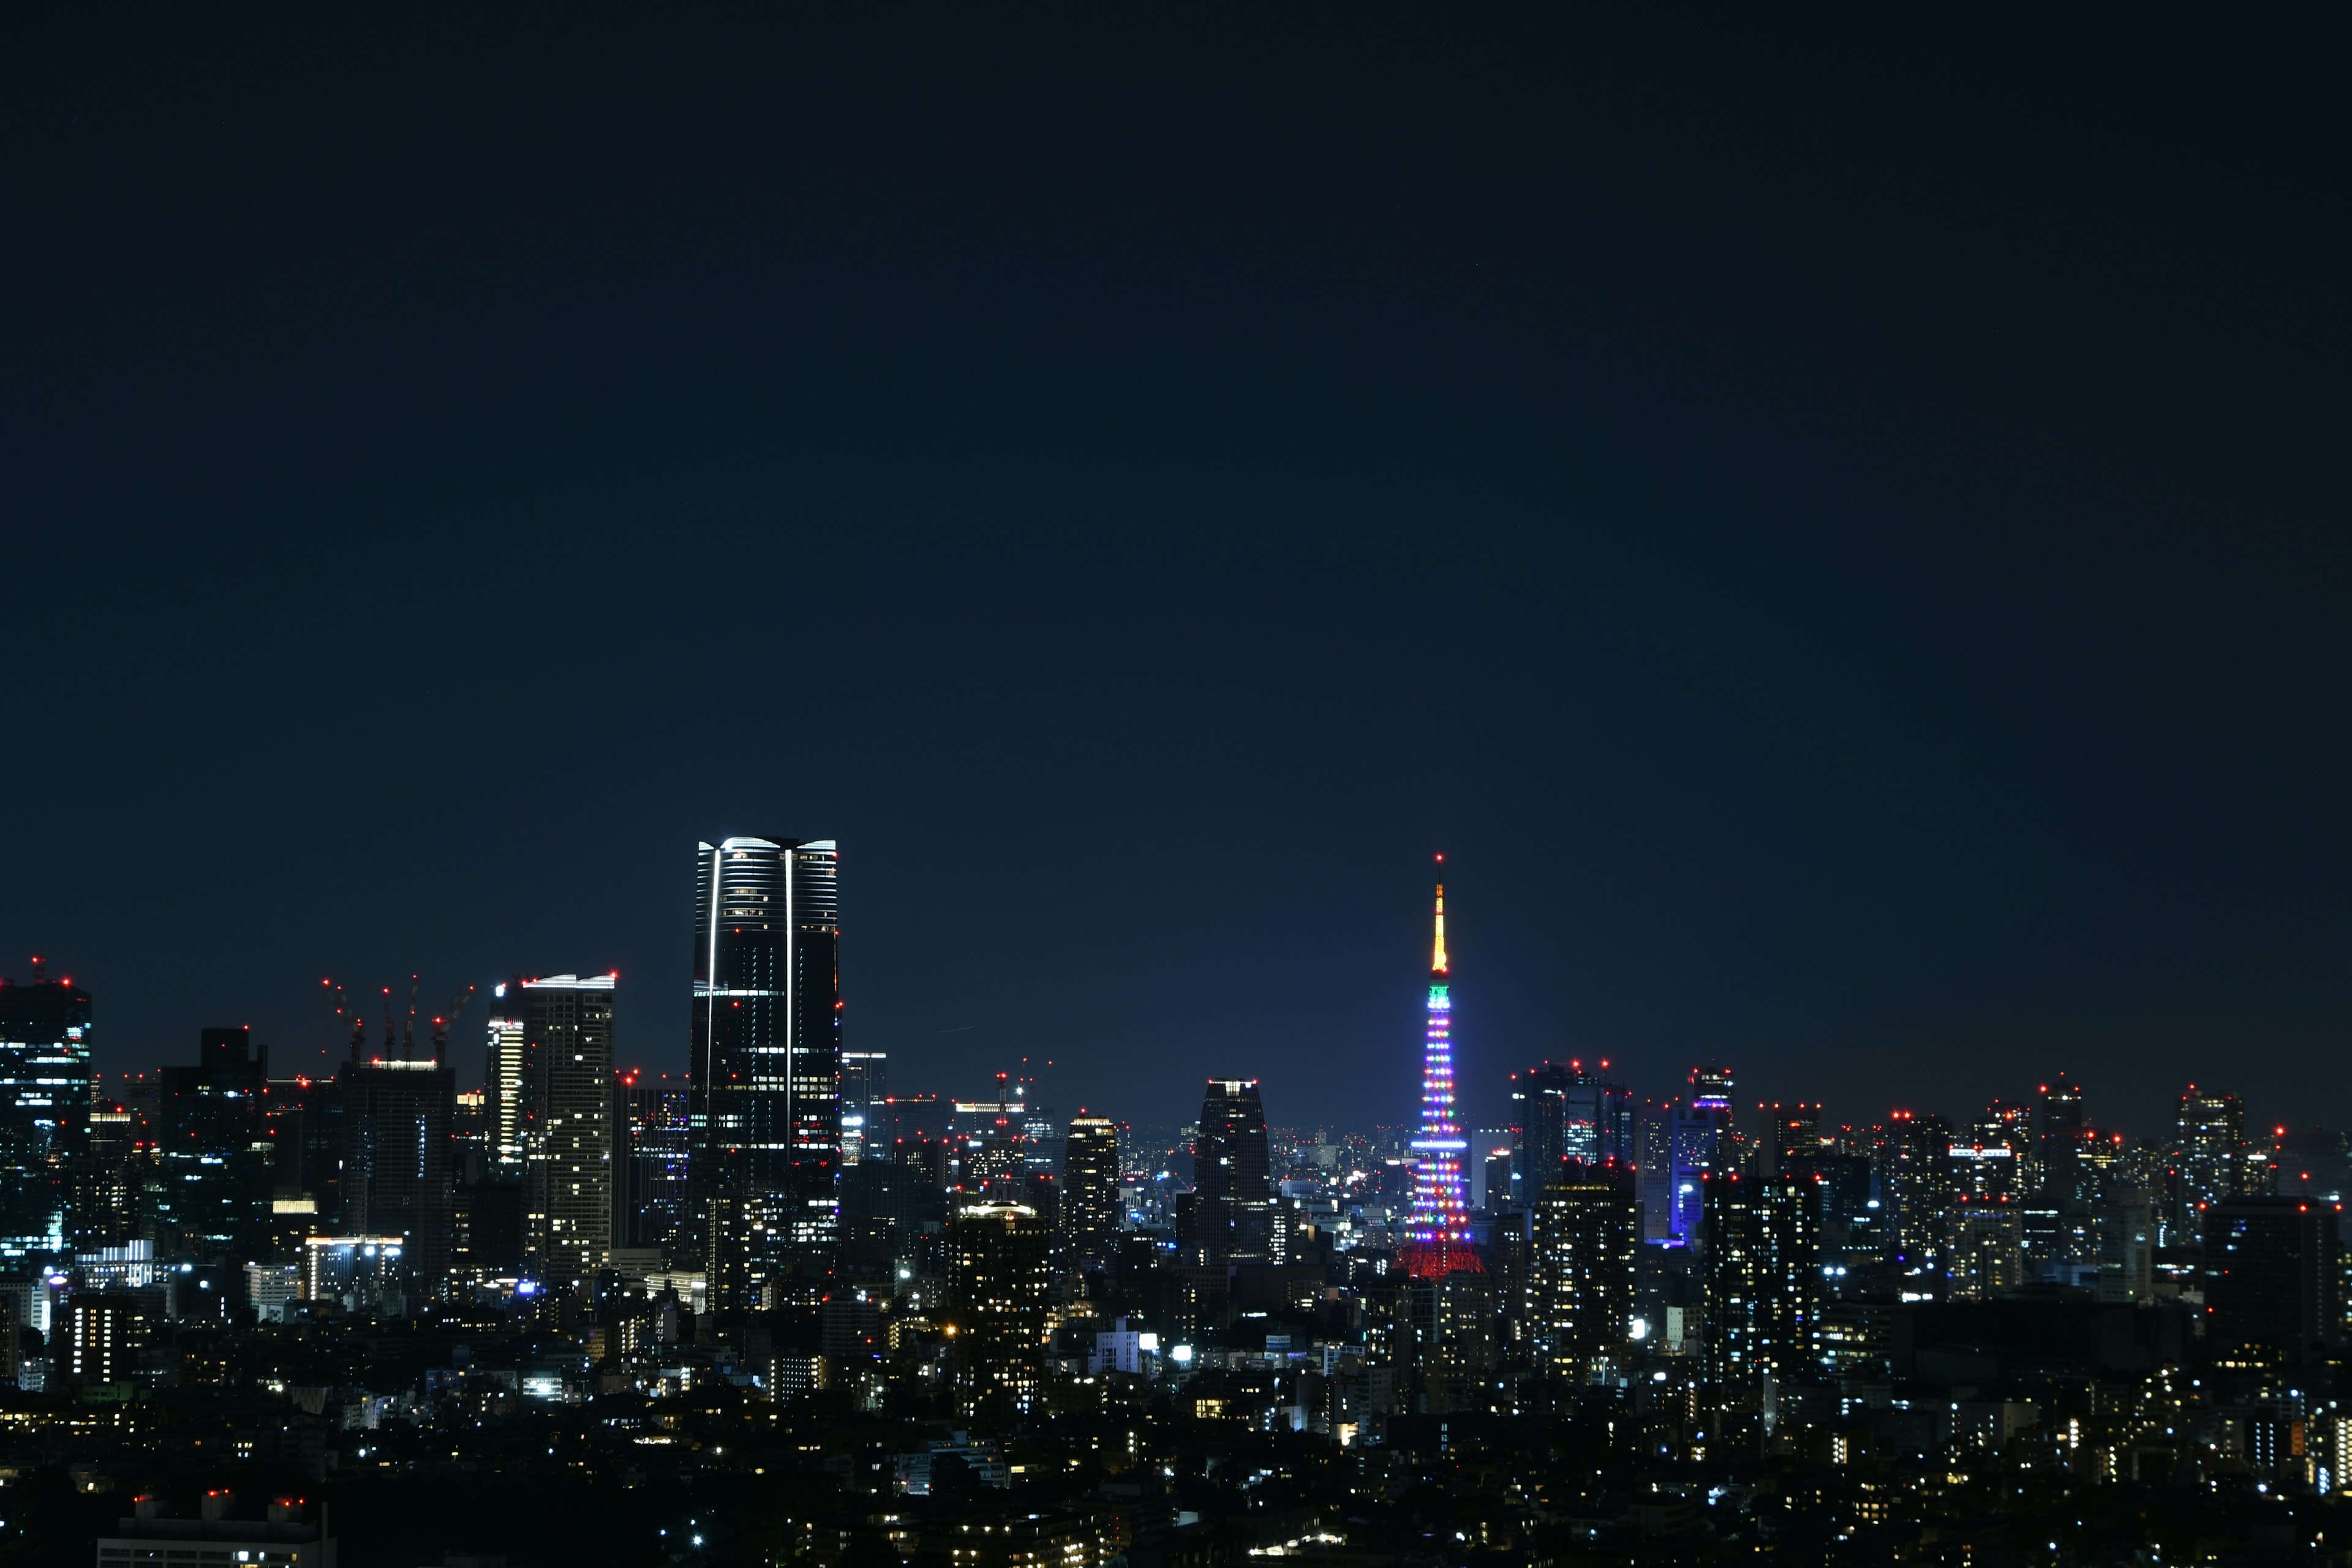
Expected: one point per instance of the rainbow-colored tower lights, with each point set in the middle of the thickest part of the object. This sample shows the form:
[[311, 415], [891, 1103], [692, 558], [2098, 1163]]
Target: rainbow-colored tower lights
[[1437, 1240]]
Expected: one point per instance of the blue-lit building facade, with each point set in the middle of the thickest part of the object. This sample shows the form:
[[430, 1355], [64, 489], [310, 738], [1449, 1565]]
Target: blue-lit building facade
[[45, 1108]]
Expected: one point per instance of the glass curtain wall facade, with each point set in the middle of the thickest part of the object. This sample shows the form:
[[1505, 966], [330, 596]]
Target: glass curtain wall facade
[[764, 1102], [45, 1106]]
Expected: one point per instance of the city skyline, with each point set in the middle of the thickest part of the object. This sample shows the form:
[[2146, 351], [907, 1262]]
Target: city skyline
[[1466, 787], [2135, 1102]]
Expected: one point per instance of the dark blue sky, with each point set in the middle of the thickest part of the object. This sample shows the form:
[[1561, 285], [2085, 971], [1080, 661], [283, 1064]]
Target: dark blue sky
[[1836, 526]]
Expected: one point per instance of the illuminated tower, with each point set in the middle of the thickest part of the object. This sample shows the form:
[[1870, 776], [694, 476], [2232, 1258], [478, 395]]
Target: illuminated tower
[[1438, 1239]]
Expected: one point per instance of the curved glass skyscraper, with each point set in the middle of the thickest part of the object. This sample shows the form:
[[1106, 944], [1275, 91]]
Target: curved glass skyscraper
[[764, 1106]]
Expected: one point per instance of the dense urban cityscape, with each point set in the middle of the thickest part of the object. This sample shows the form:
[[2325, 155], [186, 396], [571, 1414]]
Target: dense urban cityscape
[[783, 1308]]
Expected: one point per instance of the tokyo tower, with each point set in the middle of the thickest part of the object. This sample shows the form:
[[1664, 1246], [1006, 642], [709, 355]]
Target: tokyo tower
[[1437, 1238]]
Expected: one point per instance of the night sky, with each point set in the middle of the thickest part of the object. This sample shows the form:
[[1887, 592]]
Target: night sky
[[1835, 526]]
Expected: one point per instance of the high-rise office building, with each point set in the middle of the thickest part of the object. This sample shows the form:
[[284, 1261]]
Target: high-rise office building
[[1789, 1136], [502, 1083], [104, 1336], [1697, 1141], [764, 1106], [217, 1157], [1539, 1110], [1916, 1189], [649, 1159], [1763, 1278], [1089, 1212], [1569, 1112], [2127, 1234], [395, 1180], [2209, 1154], [1233, 1174], [1854, 1224], [865, 1085], [2273, 1279], [306, 1134], [1489, 1168], [1437, 1236], [1580, 1271], [109, 1199], [568, 1125], [45, 1106], [1985, 1246], [2065, 1142], [1000, 1285]]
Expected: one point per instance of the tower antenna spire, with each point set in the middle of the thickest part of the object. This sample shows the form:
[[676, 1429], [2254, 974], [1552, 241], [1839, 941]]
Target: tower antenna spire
[[1438, 1235]]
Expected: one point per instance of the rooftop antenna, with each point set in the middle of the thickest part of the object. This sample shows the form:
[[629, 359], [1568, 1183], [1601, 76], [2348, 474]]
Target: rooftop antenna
[[408, 1030], [388, 1035]]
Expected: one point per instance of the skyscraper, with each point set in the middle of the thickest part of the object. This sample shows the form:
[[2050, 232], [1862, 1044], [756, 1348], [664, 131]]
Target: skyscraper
[[1437, 1238], [764, 1105], [45, 1105], [215, 1148], [1763, 1278], [1567, 1113], [1696, 1131], [649, 1159], [1232, 1173], [2273, 1279], [1091, 1186], [1000, 1293], [1580, 1277], [864, 1084], [2209, 1154], [2063, 1134], [396, 1179], [1916, 1179], [502, 1082], [568, 1077]]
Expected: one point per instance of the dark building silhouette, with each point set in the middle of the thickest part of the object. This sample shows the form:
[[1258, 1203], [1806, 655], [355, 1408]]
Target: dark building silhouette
[[217, 1159], [304, 1119], [45, 1105], [396, 1123], [486, 1233], [1565, 1112], [2272, 1278], [650, 1159], [1233, 1174], [765, 1070]]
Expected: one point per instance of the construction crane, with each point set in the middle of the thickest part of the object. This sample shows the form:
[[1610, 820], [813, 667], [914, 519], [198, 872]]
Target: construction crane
[[408, 1030], [390, 1039], [349, 1017], [441, 1025]]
